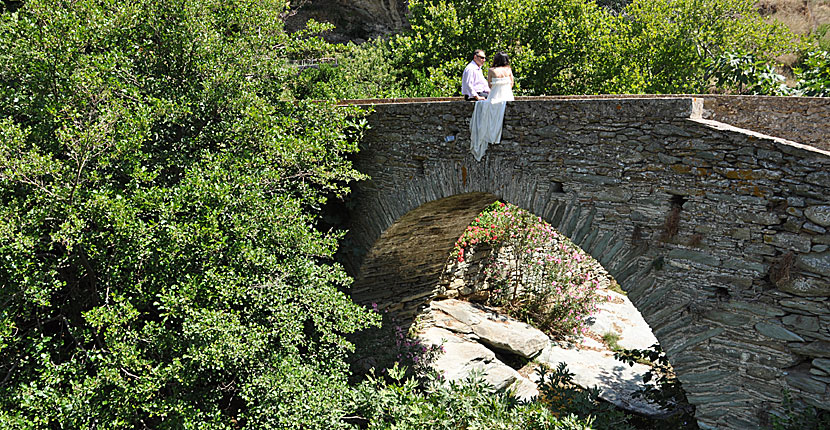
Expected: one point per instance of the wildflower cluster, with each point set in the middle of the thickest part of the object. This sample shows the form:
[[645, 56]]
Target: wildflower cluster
[[534, 272]]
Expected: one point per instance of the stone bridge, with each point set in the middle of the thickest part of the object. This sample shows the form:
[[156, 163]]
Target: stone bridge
[[717, 233]]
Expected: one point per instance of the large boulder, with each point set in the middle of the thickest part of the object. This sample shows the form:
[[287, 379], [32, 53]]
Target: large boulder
[[496, 330], [616, 380], [462, 357], [619, 316]]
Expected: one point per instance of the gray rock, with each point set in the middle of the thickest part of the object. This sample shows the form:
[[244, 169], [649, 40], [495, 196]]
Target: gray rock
[[617, 381], [813, 228], [762, 218], [728, 318], [816, 263], [801, 322], [817, 372], [741, 233], [757, 309], [739, 264], [789, 241], [806, 383], [819, 178], [613, 194], [764, 373], [695, 256], [631, 157], [462, 357], [796, 201], [817, 348], [805, 305], [822, 364], [807, 287], [495, 330], [619, 316], [524, 389], [549, 131], [776, 331]]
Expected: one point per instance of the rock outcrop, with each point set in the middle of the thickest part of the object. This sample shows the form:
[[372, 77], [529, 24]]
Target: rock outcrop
[[496, 330], [471, 335], [355, 20], [463, 357]]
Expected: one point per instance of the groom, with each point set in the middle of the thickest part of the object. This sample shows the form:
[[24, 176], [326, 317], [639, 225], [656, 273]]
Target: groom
[[473, 84]]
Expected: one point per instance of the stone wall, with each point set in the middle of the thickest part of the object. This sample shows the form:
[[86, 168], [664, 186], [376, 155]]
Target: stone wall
[[800, 119], [717, 233]]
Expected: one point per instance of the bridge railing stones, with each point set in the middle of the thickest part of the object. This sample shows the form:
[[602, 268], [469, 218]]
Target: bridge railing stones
[[717, 233], [800, 119]]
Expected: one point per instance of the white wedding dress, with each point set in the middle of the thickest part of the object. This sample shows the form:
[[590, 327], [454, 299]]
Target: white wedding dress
[[488, 115]]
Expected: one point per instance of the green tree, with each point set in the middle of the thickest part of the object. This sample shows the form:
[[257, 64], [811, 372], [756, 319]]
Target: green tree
[[158, 258], [550, 42], [577, 47], [671, 42]]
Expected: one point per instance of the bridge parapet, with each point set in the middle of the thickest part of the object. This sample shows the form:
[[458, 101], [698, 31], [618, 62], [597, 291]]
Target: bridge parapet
[[718, 234]]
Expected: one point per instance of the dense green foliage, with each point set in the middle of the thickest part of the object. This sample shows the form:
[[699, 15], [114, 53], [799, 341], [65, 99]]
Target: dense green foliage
[[158, 258], [559, 47], [744, 74], [814, 74], [399, 404]]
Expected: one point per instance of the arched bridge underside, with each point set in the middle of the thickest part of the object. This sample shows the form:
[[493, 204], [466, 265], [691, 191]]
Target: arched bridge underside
[[717, 233]]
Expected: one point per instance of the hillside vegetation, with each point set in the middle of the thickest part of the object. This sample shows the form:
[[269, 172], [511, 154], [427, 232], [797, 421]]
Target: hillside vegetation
[[579, 47]]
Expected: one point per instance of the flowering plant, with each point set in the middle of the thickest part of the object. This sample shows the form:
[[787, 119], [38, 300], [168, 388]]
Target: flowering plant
[[534, 272]]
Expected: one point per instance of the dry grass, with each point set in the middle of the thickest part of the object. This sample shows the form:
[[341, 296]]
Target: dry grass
[[781, 272], [801, 16], [795, 14]]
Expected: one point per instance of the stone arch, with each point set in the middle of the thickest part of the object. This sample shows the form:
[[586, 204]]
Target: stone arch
[[402, 267], [690, 216]]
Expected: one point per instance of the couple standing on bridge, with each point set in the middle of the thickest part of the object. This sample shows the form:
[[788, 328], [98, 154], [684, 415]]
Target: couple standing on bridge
[[486, 123]]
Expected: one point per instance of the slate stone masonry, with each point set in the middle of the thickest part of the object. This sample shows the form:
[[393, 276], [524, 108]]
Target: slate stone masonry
[[717, 233]]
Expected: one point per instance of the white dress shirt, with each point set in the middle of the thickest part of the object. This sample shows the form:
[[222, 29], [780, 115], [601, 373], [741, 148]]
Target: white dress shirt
[[473, 82]]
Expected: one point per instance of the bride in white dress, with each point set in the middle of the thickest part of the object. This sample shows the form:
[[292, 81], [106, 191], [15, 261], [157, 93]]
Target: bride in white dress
[[488, 115]]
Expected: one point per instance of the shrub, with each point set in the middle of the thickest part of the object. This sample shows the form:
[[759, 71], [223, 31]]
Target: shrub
[[534, 273], [158, 256], [798, 417], [744, 74], [401, 405], [391, 345], [814, 74], [562, 396], [661, 387], [611, 339], [671, 42], [577, 47]]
